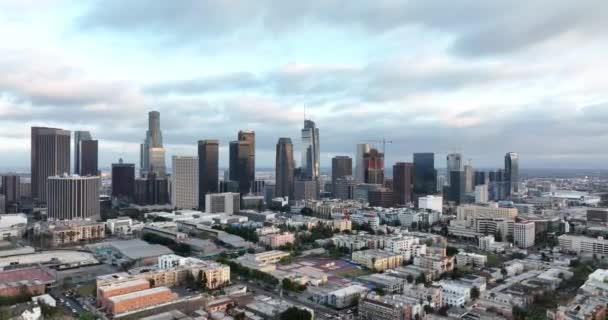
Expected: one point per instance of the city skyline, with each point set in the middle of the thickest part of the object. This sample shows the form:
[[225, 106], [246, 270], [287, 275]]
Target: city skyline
[[425, 81]]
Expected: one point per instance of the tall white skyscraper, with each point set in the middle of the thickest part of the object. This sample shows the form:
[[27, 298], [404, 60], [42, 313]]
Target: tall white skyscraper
[[184, 182], [362, 149]]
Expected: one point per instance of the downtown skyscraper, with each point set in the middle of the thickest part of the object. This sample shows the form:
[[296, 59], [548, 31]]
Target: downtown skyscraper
[[311, 166], [123, 180], [284, 167], [456, 178], [152, 153], [512, 173], [79, 136], [50, 156], [208, 169], [425, 175], [341, 167], [403, 174], [242, 161], [184, 182], [373, 162], [73, 197], [362, 149], [454, 162]]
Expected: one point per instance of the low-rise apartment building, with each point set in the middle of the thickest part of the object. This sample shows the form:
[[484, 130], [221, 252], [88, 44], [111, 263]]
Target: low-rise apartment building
[[72, 231], [377, 260], [277, 240]]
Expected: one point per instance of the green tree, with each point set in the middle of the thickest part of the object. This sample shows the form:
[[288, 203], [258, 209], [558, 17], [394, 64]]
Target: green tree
[[294, 313], [409, 278], [451, 251], [306, 211], [421, 279], [498, 236], [86, 316], [202, 277], [504, 272], [475, 293]]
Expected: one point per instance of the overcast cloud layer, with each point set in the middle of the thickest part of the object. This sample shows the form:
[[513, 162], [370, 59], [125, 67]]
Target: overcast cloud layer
[[478, 77]]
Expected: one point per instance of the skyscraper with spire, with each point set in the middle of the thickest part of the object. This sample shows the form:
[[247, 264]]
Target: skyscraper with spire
[[310, 151], [152, 153]]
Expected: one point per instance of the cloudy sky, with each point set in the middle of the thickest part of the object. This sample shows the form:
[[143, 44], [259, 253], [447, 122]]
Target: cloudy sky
[[478, 77]]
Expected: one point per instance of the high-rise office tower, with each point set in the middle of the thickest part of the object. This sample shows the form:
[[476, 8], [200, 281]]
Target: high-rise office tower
[[373, 162], [469, 178], [345, 188], [79, 136], [258, 186], [497, 186], [481, 193], [284, 163], [454, 163], [123, 180], [73, 197], [157, 162], [441, 183], [382, 197], [151, 190], [50, 156], [456, 191], [249, 136], [208, 169], [152, 157], [184, 182], [305, 190], [512, 173], [89, 158], [362, 149], [241, 170], [480, 178], [11, 189], [425, 175], [227, 202], [341, 166], [155, 135], [403, 173], [310, 151]]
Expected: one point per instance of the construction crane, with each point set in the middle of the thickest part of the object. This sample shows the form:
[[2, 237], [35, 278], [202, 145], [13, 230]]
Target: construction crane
[[384, 142]]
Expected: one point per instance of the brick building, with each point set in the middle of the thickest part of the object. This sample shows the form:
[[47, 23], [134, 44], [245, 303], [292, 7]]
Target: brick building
[[120, 288], [28, 281], [139, 299]]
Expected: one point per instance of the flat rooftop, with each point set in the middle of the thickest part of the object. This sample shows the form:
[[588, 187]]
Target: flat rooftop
[[61, 256], [26, 274], [137, 249], [136, 294], [125, 284]]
